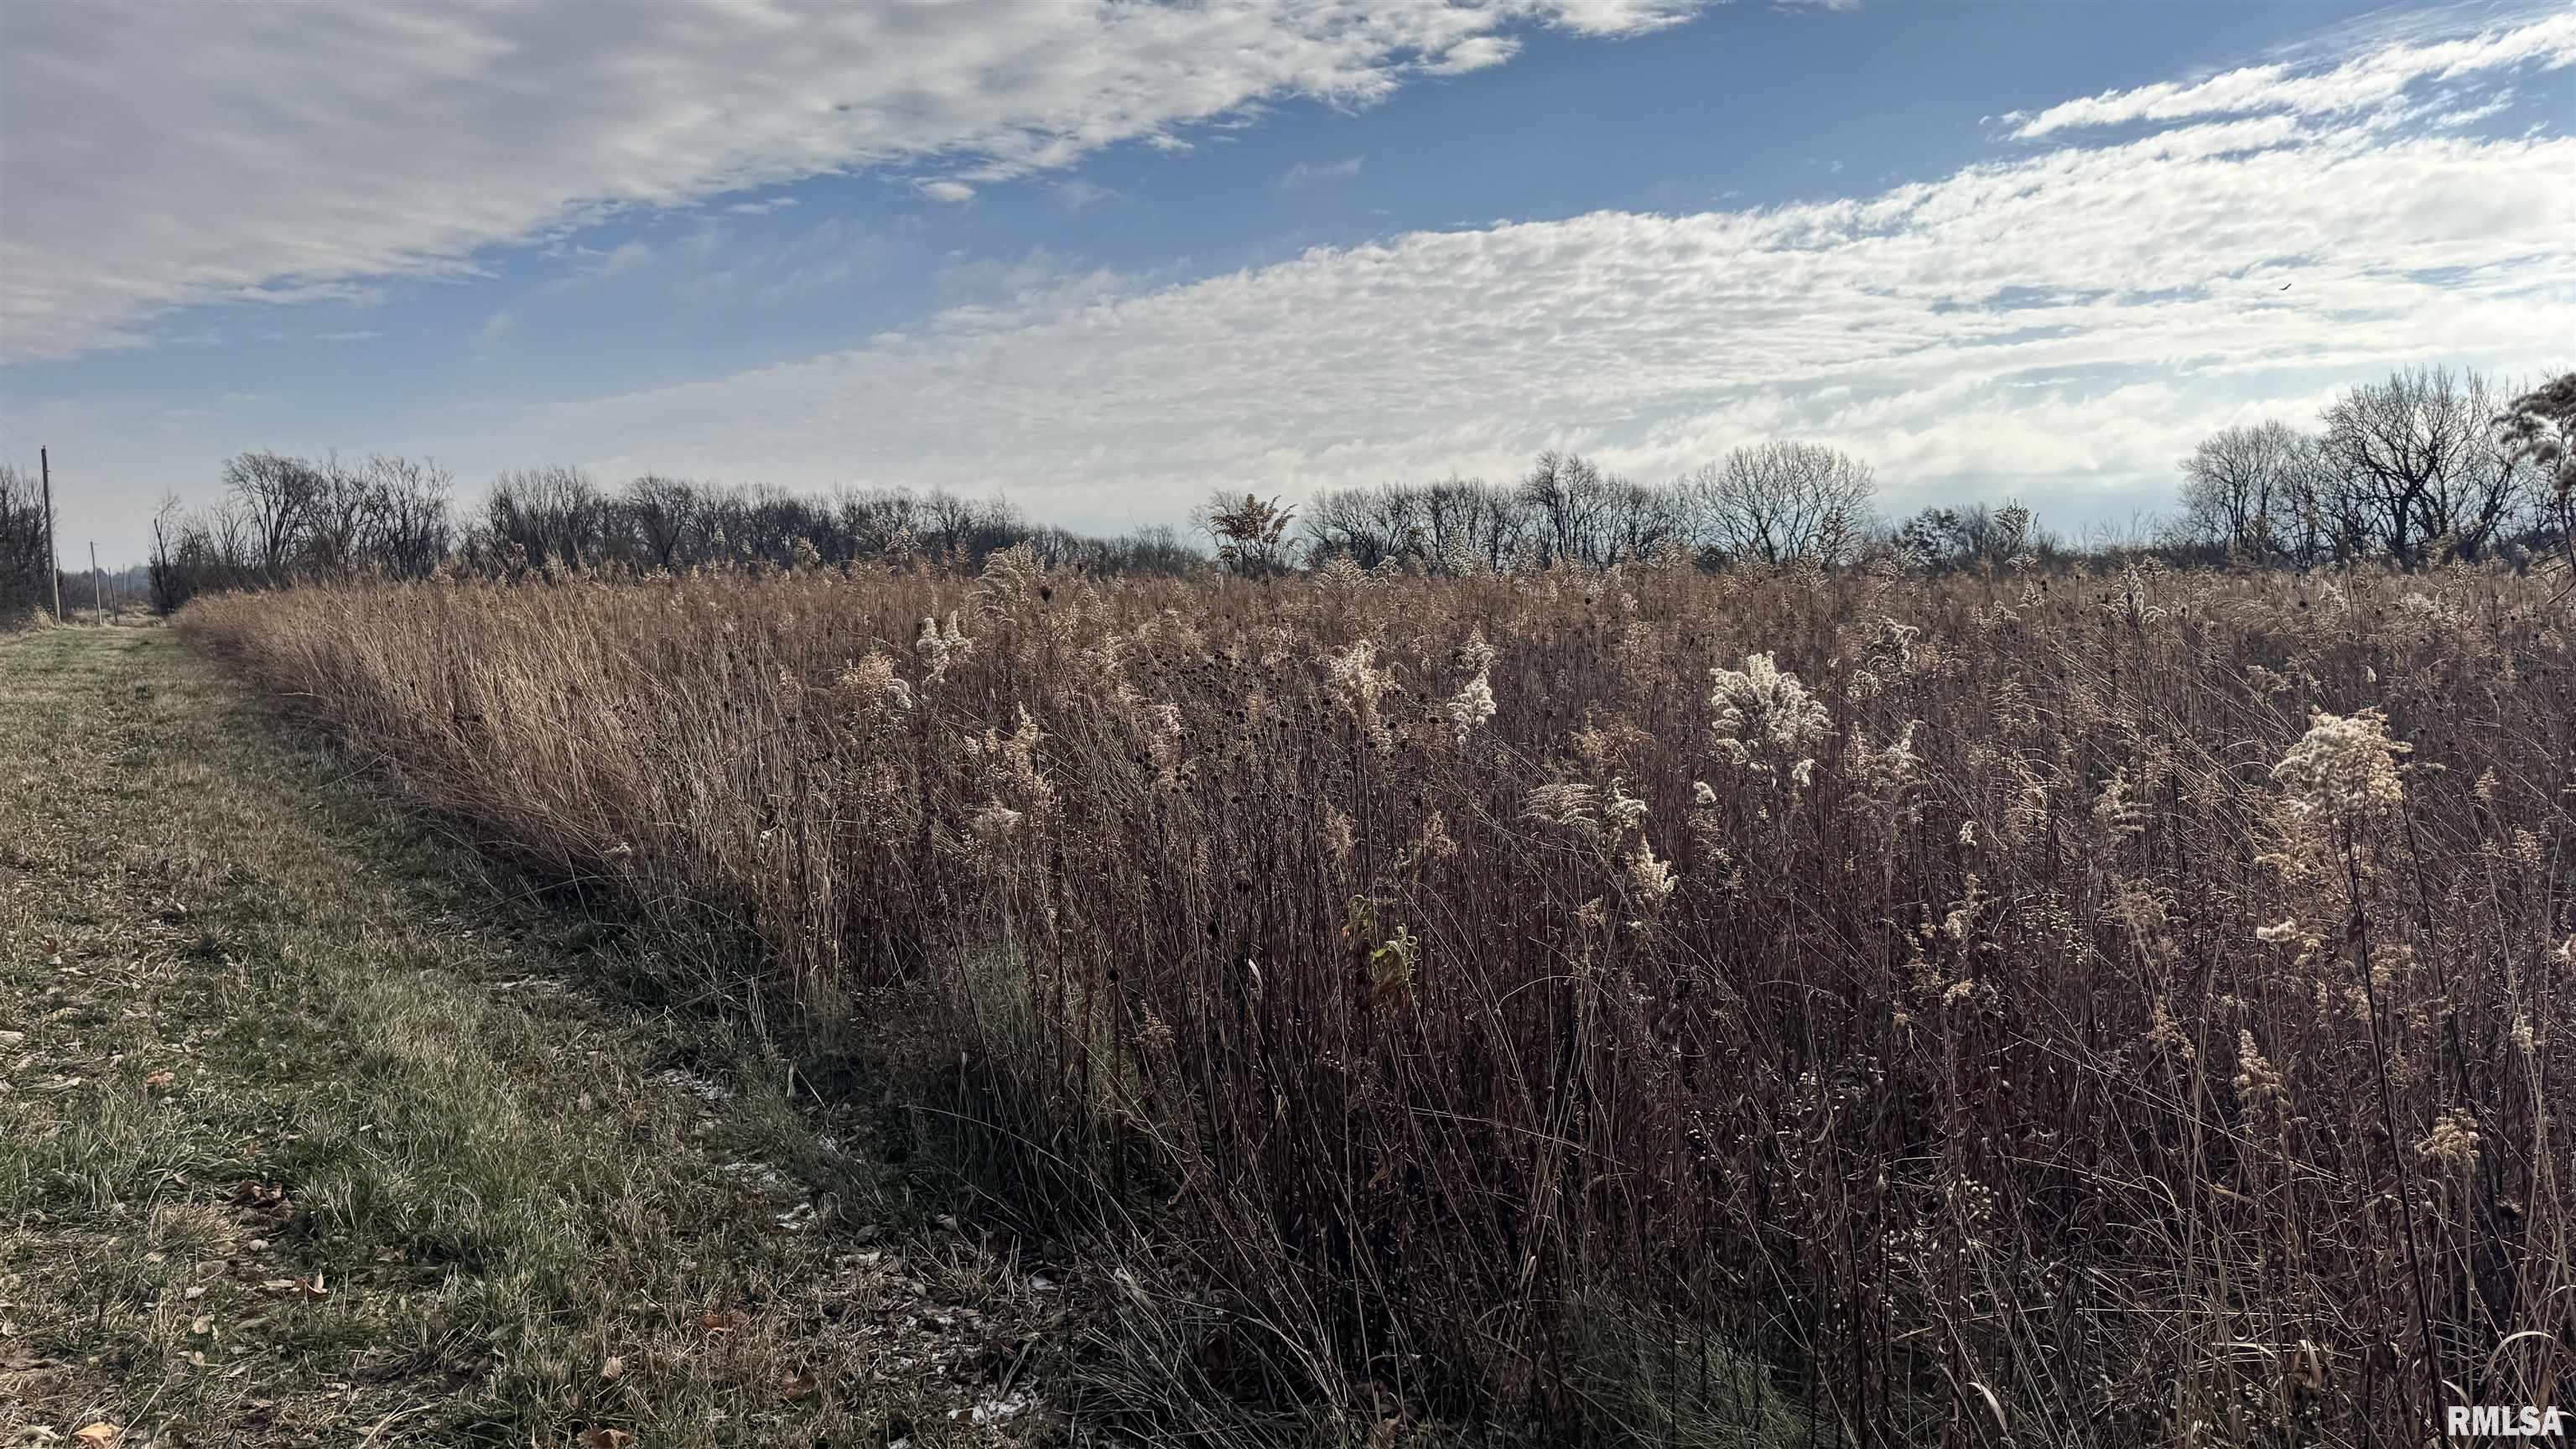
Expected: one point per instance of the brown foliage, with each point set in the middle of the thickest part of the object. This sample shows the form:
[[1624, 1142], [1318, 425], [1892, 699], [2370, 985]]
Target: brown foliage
[[1864, 969]]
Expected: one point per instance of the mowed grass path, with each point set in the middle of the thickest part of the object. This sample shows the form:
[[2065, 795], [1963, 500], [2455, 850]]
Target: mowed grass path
[[311, 1132]]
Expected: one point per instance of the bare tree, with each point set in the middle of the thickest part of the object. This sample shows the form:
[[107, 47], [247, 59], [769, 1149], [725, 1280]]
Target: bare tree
[[663, 514], [2419, 459], [554, 515], [340, 518], [2251, 490], [25, 581], [1779, 501], [1470, 519], [274, 498], [1372, 525], [409, 530], [1575, 511]]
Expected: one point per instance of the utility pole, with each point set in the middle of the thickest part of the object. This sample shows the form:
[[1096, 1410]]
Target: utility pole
[[53, 560], [97, 605]]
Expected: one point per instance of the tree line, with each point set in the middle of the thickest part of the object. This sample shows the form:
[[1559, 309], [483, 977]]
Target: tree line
[[281, 520], [2426, 466], [1767, 503]]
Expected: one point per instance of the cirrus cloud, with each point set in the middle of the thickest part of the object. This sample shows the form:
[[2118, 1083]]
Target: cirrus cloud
[[2353, 83]]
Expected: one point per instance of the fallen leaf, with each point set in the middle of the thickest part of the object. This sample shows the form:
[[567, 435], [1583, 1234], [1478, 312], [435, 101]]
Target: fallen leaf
[[605, 1439], [725, 1322], [160, 1079], [204, 1323], [267, 1199], [101, 1432], [296, 1288], [796, 1386], [613, 1369]]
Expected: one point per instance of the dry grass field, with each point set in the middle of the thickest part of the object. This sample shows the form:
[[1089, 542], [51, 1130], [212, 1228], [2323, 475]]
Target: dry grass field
[[1632, 1005]]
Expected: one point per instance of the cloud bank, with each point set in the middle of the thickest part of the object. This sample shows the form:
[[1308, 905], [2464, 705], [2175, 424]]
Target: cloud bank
[[2066, 323], [191, 152]]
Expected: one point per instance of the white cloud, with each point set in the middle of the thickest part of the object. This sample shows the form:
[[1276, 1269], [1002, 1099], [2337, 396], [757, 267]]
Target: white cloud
[[2354, 83], [1477, 52], [2063, 325], [194, 152], [948, 191], [1309, 173]]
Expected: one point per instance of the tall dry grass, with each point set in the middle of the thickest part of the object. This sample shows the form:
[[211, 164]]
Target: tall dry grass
[[2078, 1010]]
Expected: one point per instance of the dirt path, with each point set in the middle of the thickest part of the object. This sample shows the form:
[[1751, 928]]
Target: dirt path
[[310, 1133]]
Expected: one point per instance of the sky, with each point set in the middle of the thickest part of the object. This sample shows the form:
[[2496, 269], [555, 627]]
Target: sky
[[1102, 258]]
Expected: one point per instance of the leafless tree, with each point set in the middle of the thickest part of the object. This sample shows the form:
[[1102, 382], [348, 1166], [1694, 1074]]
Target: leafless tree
[[2252, 490], [664, 515], [1568, 496], [2418, 458], [1370, 524], [275, 499], [25, 581], [1779, 501], [409, 530], [1471, 519], [341, 516], [555, 514], [876, 521]]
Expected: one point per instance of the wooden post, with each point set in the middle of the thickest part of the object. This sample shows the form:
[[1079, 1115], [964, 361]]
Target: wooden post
[[97, 605], [53, 560]]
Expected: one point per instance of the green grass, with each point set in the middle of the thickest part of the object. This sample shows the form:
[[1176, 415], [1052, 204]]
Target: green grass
[[315, 1129]]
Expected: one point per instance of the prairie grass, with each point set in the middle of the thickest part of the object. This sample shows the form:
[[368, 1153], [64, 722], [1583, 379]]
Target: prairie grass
[[2083, 1009]]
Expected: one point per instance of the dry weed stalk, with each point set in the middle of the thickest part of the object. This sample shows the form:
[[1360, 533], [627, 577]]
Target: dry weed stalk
[[2099, 1010]]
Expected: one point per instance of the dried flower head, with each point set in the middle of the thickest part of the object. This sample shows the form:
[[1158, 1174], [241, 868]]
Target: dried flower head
[[1760, 704], [1568, 806], [1471, 706], [942, 650], [1356, 683], [1652, 879], [2453, 1142], [1340, 575], [1766, 721], [2344, 770]]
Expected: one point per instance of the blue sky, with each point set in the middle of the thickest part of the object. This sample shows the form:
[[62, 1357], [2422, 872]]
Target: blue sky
[[1105, 258]]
